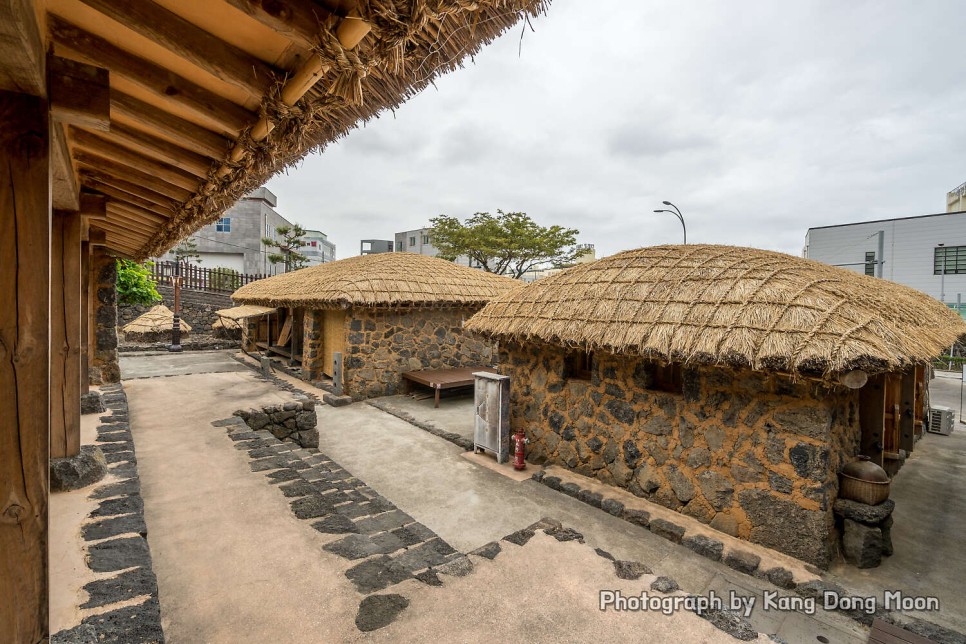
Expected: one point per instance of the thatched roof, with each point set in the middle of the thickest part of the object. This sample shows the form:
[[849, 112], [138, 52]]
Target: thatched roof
[[379, 280], [236, 313], [190, 105], [159, 319], [727, 305]]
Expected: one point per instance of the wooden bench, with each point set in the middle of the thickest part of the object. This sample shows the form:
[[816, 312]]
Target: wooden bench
[[439, 379], [886, 633]]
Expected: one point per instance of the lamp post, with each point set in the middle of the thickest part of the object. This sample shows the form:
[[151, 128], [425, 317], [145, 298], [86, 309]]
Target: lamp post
[[176, 322], [677, 213]]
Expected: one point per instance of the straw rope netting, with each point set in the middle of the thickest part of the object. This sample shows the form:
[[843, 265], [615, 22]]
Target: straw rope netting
[[727, 305], [410, 44], [159, 319], [378, 280]]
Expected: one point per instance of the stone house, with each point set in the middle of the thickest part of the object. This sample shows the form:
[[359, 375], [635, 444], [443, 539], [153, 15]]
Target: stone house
[[729, 384], [385, 314]]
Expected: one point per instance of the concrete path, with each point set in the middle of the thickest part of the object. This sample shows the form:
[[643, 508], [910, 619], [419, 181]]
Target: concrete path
[[455, 413], [177, 364]]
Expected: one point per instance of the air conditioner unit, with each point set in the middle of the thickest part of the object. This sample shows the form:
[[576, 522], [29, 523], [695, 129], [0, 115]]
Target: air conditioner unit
[[941, 420], [491, 425]]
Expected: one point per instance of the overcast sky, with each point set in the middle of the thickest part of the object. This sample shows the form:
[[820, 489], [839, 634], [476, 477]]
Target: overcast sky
[[758, 119]]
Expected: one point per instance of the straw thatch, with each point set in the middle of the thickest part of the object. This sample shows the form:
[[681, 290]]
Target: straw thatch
[[158, 321], [378, 280], [727, 305], [411, 43], [237, 313]]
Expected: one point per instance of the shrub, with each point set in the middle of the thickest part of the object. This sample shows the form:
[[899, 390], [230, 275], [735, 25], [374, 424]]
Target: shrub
[[134, 284]]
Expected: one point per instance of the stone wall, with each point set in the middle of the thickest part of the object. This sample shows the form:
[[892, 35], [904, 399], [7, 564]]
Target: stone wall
[[294, 422], [381, 344], [753, 455], [197, 308], [103, 365]]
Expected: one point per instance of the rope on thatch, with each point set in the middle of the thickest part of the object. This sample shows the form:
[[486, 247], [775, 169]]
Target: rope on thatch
[[378, 280], [411, 43], [727, 305], [158, 320]]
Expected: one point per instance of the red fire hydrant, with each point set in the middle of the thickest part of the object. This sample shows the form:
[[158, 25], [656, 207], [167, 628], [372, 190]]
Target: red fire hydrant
[[519, 442]]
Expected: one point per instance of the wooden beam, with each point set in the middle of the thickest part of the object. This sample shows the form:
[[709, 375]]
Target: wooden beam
[[298, 20], [226, 115], [92, 206], [202, 49], [107, 166], [142, 214], [119, 228], [350, 33], [80, 94], [65, 334], [118, 195], [96, 237], [24, 365], [21, 49], [190, 136], [63, 177], [155, 148], [85, 313], [84, 140]]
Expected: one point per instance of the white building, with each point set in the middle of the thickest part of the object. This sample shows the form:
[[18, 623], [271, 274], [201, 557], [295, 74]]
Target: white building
[[586, 253], [907, 250], [318, 248], [421, 241]]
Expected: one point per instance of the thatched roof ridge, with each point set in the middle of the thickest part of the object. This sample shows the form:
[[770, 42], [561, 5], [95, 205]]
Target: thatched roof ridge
[[727, 305], [378, 280]]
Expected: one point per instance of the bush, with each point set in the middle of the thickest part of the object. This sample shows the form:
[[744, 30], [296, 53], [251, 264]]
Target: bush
[[224, 279], [134, 284]]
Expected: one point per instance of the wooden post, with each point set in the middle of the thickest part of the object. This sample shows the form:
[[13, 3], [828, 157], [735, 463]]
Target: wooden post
[[24, 366], [872, 417], [907, 424], [65, 334], [337, 375], [85, 317]]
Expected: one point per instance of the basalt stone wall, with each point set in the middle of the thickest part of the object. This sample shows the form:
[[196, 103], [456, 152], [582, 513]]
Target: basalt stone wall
[[103, 365], [197, 308], [382, 344], [752, 454], [294, 421]]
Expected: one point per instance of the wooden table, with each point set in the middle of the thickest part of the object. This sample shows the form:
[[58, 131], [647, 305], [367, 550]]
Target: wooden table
[[439, 379]]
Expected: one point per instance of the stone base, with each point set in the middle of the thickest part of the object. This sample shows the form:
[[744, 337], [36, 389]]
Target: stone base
[[336, 401], [75, 472], [866, 531], [91, 403]]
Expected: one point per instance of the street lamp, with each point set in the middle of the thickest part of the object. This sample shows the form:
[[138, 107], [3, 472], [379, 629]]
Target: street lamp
[[676, 213], [175, 346]]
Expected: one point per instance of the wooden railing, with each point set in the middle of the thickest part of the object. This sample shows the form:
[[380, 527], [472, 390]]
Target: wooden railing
[[199, 278]]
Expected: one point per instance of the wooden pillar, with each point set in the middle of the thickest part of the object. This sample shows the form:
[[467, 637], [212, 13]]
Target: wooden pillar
[[65, 334], [24, 366], [85, 317], [872, 417]]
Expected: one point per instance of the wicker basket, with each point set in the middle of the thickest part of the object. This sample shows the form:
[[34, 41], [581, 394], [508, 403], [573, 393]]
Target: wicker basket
[[868, 492]]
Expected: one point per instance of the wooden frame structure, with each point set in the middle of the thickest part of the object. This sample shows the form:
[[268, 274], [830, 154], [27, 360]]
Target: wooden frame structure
[[137, 122]]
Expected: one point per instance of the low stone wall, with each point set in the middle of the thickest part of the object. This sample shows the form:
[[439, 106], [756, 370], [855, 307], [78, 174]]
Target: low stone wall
[[752, 455], [382, 344], [103, 366], [294, 421], [197, 308]]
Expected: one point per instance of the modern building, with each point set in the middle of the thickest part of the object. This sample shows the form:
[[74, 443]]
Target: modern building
[[318, 248], [927, 252], [956, 199], [235, 240], [373, 246], [586, 253], [420, 241]]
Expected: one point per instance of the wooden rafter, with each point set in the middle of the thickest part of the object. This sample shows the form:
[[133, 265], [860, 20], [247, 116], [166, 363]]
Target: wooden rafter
[[298, 20], [191, 136], [217, 57], [166, 208], [21, 49], [97, 144], [228, 116], [153, 147], [120, 171], [80, 94], [143, 214]]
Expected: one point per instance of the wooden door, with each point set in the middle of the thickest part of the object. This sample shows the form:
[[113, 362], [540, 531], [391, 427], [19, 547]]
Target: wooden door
[[333, 338]]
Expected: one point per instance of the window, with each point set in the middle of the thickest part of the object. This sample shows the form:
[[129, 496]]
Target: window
[[870, 264], [412, 241], [399, 246], [668, 378], [315, 244], [954, 258], [425, 239], [579, 365], [223, 225]]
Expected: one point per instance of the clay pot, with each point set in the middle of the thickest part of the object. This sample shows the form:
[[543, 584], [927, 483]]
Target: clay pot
[[864, 481]]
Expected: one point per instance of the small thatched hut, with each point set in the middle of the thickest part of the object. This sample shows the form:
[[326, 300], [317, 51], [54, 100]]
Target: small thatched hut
[[153, 326], [710, 380], [385, 313]]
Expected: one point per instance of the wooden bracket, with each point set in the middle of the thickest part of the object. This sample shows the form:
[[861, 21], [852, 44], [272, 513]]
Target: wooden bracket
[[80, 94], [93, 205]]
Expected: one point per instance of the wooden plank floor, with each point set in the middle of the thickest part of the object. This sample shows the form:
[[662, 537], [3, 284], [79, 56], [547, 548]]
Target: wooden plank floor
[[886, 633]]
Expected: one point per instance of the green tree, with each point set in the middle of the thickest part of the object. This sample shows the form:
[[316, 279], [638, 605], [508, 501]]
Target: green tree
[[134, 283], [288, 247], [186, 252], [225, 279], [509, 243]]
